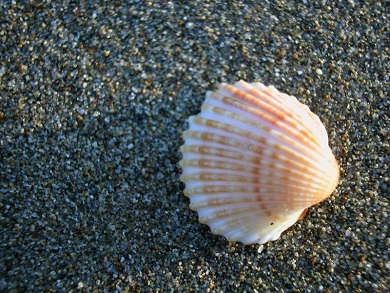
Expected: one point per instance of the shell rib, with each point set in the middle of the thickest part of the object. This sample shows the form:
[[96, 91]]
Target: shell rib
[[254, 159]]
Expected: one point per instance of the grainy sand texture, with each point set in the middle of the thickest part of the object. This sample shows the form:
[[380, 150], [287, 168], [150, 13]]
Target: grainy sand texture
[[94, 97]]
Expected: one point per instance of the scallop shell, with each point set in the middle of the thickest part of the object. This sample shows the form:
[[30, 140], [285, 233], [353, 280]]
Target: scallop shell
[[254, 160]]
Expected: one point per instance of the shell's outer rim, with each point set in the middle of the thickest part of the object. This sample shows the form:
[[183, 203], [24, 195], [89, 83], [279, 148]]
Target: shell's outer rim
[[266, 223]]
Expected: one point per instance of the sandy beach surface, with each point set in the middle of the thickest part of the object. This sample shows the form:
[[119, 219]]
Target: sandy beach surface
[[94, 97]]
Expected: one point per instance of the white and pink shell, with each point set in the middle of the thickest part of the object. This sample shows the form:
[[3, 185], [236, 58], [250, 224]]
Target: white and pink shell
[[254, 159]]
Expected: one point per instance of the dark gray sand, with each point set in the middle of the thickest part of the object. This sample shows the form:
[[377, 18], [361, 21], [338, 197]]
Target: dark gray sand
[[93, 101]]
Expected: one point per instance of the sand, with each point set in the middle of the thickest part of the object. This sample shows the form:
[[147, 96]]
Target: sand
[[94, 98]]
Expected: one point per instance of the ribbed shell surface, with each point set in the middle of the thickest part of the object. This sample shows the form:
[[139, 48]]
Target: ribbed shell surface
[[254, 159]]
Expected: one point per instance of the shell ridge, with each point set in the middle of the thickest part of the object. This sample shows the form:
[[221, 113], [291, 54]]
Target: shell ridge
[[275, 171], [296, 109], [274, 135], [234, 156], [237, 106], [269, 196], [251, 101], [242, 176], [234, 229], [215, 128]]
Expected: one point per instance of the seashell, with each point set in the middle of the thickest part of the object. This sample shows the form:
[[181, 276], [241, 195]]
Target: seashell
[[254, 160]]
